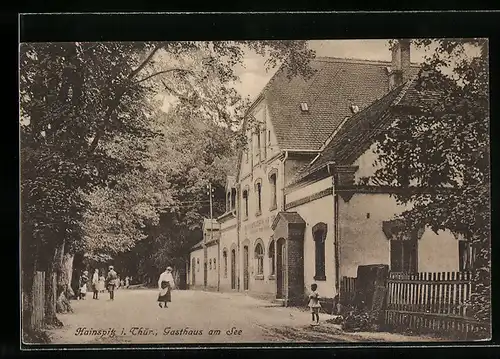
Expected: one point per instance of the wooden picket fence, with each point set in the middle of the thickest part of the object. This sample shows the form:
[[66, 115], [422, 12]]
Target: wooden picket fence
[[347, 290], [430, 302], [38, 301], [424, 302]]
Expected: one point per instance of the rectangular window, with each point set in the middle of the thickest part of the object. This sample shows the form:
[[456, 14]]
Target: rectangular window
[[319, 235], [224, 255], [258, 153], [274, 200], [259, 198], [404, 256], [465, 255], [264, 147], [245, 200]]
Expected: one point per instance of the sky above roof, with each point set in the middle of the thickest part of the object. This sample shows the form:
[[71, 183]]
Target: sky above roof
[[253, 76]]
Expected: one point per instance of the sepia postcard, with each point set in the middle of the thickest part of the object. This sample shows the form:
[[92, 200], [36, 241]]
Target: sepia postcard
[[322, 191]]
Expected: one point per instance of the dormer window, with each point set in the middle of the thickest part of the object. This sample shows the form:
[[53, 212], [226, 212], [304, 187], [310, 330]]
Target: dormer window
[[304, 107], [354, 109]]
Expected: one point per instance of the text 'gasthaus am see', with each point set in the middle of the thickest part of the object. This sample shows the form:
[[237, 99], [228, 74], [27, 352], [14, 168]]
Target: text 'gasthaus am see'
[[144, 331]]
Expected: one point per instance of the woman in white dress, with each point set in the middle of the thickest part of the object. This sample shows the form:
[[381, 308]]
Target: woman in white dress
[[165, 286]]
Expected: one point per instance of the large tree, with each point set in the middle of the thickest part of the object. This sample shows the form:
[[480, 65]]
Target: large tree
[[441, 143], [84, 105]]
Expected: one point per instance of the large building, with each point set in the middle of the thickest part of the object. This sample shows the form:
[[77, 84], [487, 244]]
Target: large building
[[298, 211]]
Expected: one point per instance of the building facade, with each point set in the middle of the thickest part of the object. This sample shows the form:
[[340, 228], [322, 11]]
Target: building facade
[[298, 210]]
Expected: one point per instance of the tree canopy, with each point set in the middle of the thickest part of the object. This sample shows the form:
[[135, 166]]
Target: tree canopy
[[442, 144], [98, 169]]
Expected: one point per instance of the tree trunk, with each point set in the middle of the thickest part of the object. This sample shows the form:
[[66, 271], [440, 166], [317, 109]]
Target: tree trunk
[[51, 286], [64, 290], [67, 273]]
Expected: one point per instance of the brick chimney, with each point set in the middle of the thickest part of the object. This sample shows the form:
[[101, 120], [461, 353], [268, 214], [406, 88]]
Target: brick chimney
[[400, 66]]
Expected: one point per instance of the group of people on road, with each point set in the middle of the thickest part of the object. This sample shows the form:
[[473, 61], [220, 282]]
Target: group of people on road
[[99, 283], [111, 282]]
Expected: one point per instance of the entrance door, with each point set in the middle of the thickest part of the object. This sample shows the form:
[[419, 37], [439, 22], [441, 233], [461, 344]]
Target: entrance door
[[193, 271], [233, 269], [246, 274], [280, 268]]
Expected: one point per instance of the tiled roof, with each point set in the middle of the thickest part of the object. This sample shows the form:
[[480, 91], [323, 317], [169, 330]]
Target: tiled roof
[[353, 138], [329, 93], [357, 126], [290, 217]]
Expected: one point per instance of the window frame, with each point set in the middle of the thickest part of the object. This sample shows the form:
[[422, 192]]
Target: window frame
[[271, 254], [407, 260], [259, 259], [224, 256], [465, 246], [274, 189], [319, 232], [258, 191], [246, 191]]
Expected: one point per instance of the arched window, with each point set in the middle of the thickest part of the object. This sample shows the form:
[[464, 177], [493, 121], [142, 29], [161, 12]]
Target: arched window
[[224, 258], [271, 252], [259, 258], [319, 235], [233, 198], [245, 203], [198, 264], [273, 176], [258, 191]]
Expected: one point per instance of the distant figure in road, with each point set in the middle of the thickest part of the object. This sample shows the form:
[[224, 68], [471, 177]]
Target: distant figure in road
[[83, 284], [314, 304], [111, 282], [95, 284], [127, 282], [102, 282], [165, 286]]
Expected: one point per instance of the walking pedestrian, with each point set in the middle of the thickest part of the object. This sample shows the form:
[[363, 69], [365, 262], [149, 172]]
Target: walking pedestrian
[[111, 282], [95, 284], [84, 278], [165, 286], [314, 304], [127, 282]]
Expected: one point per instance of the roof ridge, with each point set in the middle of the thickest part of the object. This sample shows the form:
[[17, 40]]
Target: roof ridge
[[357, 60]]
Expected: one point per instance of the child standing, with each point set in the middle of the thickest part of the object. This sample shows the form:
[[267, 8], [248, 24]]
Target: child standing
[[102, 281], [314, 304]]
